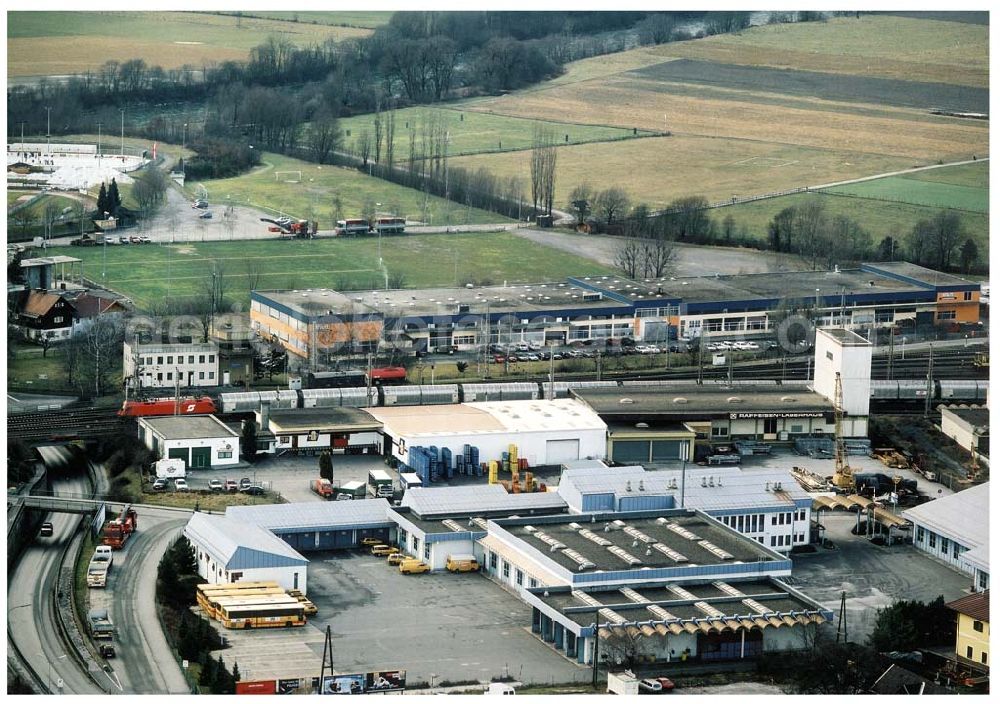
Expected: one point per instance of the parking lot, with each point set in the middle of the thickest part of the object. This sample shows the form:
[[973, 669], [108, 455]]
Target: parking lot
[[872, 576], [452, 627]]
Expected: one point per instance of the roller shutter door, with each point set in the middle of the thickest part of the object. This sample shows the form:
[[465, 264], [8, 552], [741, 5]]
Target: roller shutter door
[[557, 451], [666, 450], [629, 451]]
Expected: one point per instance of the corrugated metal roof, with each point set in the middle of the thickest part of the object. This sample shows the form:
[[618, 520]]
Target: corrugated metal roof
[[472, 500], [238, 545], [730, 487], [962, 515], [314, 515]]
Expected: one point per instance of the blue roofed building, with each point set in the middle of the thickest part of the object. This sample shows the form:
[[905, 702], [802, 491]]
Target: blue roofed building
[[230, 551]]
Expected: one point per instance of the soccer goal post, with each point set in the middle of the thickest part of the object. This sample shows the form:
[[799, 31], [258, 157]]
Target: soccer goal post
[[290, 176]]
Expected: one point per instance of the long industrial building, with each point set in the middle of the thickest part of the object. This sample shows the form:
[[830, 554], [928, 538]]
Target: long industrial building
[[307, 322]]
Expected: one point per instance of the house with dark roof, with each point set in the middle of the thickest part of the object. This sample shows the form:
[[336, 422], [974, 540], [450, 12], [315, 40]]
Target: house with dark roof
[[45, 316]]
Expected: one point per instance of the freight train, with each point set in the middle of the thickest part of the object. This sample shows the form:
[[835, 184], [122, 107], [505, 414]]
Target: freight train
[[389, 394]]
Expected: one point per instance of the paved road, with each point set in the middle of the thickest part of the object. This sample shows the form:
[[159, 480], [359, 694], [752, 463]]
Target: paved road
[[144, 662], [30, 610]]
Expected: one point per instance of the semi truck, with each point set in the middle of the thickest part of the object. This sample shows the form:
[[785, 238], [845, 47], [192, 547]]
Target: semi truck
[[118, 531], [380, 484], [100, 565]]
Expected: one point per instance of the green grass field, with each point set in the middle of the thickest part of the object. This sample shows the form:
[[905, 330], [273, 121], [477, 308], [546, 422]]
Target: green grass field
[[37, 209], [476, 132], [50, 43], [157, 273], [903, 189], [368, 20], [312, 198], [880, 218], [972, 175]]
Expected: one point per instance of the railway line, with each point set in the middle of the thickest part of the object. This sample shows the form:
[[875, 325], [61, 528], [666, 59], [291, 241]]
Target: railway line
[[79, 423]]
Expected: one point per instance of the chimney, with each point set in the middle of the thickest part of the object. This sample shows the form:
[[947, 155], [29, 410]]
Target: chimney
[[265, 415], [628, 485], [704, 481], [641, 487]]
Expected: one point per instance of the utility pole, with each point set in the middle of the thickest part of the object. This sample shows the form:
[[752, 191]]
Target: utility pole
[[48, 131], [598, 365], [930, 380], [888, 366], [552, 375], [597, 640], [99, 125], [842, 620], [122, 110], [701, 349], [327, 659]]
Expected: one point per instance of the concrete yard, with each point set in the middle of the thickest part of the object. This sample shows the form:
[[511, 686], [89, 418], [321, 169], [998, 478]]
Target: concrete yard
[[454, 627], [872, 576]]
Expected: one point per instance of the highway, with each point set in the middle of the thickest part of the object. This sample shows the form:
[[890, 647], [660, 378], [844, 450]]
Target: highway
[[30, 609]]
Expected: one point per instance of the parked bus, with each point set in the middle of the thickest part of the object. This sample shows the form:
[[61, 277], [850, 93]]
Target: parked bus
[[356, 226], [380, 484], [210, 603], [262, 615], [219, 603]]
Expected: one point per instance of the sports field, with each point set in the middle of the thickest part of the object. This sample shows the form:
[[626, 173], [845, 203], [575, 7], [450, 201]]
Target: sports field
[[313, 197], [58, 43], [158, 273], [476, 132]]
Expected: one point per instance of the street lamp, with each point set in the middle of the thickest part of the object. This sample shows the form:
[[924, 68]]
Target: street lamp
[[122, 111], [902, 348], [48, 131], [184, 138]]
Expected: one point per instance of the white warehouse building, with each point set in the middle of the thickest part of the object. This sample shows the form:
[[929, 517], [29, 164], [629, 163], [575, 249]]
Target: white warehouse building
[[203, 442], [230, 551], [546, 432], [767, 506], [955, 529]]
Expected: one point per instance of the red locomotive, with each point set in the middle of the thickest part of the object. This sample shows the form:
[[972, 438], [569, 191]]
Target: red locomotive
[[168, 407]]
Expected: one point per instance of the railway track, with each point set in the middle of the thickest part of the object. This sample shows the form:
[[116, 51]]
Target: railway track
[[82, 423]]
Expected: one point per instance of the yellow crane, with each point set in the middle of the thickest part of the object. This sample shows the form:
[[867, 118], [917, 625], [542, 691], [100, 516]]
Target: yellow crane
[[843, 475]]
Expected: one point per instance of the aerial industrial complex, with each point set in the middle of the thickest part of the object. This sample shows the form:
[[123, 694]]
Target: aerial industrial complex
[[632, 352]]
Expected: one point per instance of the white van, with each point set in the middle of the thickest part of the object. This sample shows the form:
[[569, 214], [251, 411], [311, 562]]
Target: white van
[[170, 468]]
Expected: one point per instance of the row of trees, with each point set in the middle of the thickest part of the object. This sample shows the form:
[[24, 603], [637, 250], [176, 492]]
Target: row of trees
[[807, 229], [194, 638]]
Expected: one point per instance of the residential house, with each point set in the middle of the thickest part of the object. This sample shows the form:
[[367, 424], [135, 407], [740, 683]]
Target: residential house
[[972, 639]]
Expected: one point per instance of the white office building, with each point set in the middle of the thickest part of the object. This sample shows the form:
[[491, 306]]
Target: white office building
[[166, 366]]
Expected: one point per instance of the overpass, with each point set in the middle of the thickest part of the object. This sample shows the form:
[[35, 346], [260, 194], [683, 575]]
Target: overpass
[[75, 503]]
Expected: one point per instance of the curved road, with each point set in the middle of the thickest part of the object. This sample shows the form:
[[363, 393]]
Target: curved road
[[144, 663], [30, 611]]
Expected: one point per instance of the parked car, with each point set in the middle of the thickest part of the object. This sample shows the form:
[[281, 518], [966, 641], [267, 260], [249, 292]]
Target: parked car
[[181, 485], [396, 558], [383, 550], [666, 683], [124, 239], [371, 541], [245, 483], [231, 486], [254, 490], [207, 215], [46, 530], [215, 485], [650, 686], [160, 484], [413, 567]]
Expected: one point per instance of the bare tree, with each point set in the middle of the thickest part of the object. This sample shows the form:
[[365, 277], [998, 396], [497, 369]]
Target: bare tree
[[611, 205], [49, 218], [390, 138], [543, 168], [629, 256], [378, 130], [211, 297], [659, 254], [364, 146], [229, 218], [251, 268], [325, 135]]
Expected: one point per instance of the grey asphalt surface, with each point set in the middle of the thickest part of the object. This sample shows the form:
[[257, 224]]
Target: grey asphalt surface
[[144, 663], [452, 626], [30, 612], [872, 576]]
